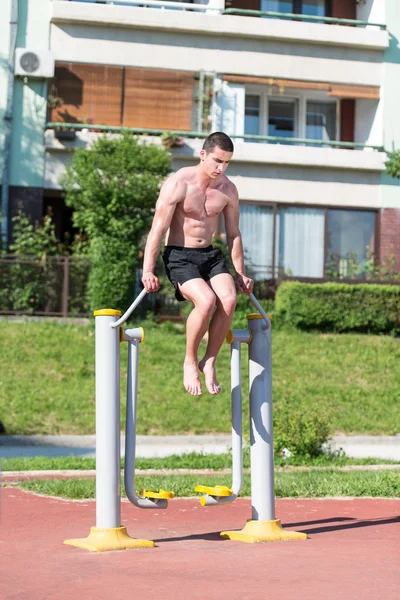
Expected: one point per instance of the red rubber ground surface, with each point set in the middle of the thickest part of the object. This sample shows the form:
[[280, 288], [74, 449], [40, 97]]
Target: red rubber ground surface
[[353, 552]]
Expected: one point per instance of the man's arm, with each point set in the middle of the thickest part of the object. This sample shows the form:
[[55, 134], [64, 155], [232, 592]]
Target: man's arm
[[234, 241], [172, 191]]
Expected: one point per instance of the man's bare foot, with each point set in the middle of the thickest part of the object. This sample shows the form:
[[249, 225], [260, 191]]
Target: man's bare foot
[[191, 380], [208, 368]]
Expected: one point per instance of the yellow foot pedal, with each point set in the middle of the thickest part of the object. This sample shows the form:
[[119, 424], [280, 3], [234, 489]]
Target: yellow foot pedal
[[157, 495], [217, 490]]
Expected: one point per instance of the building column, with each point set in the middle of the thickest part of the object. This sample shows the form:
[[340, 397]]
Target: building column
[[29, 200], [390, 236]]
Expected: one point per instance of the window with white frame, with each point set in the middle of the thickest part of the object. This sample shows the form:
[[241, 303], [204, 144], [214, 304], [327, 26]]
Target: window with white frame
[[321, 120], [315, 8], [300, 241], [309, 242], [270, 116], [351, 242], [290, 117], [257, 226]]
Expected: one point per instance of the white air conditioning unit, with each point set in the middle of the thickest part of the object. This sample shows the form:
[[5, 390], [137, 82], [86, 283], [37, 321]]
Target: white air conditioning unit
[[37, 64]]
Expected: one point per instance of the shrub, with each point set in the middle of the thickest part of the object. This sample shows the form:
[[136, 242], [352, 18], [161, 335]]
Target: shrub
[[393, 164], [301, 425], [113, 188], [28, 286], [339, 307]]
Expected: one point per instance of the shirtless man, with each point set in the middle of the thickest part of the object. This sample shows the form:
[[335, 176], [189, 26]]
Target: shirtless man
[[187, 211]]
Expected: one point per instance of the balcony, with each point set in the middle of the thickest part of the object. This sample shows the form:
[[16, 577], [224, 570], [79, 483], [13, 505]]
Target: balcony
[[207, 36], [293, 139], [345, 176]]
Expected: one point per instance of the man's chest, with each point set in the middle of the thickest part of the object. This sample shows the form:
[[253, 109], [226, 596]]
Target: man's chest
[[202, 205]]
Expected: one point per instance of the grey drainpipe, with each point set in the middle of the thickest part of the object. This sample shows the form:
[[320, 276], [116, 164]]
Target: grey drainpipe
[[8, 126]]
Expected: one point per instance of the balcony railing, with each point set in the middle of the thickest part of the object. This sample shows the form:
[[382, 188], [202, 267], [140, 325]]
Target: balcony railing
[[298, 17], [212, 5], [199, 134], [218, 7]]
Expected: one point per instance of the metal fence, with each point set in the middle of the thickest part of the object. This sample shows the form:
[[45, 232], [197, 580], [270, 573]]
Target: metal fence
[[57, 286], [51, 285]]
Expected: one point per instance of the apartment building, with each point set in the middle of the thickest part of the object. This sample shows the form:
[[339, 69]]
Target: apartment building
[[308, 90]]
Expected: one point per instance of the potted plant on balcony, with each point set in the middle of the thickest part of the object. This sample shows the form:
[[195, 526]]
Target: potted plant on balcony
[[170, 140], [64, 133]]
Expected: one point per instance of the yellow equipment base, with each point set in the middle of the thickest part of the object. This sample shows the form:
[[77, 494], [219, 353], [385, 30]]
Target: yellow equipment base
[[101, 540], [263, 531]]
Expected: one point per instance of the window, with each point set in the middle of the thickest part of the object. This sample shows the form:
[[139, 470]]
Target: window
[[282, 6], [300, 241], [351, 237], [321, 120], [256, 226], [302, 236], [281, 118], [270, 116], [298, 117], [315, 8], [252, 115]]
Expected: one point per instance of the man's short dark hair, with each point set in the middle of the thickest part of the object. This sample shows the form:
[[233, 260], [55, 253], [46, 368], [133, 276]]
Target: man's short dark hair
[[220, 140]]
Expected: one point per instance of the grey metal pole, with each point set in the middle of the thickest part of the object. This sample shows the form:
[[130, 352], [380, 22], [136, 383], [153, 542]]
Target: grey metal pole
[[108, 455], [218, 495], [236, 395], [134, 337], [261, 428], [108, 534]]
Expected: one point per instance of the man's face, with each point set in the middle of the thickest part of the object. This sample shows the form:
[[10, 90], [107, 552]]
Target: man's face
[[216, 162]]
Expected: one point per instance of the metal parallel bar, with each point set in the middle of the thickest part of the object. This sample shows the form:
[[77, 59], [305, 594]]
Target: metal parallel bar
[[199, 134], [237, 443], [130, 433], [130, 310], [260, 310], [298, 17], [236, 392]]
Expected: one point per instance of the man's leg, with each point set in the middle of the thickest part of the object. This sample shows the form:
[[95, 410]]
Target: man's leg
[[203, 298], [224, 288]]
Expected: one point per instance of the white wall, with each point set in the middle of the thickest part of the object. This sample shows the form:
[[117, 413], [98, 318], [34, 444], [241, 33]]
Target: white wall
[[369, 122], [217, 25], [118, 46], [4, 50], [372, 11]]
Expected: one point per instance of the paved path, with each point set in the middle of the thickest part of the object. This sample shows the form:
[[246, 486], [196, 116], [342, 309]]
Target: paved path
[[158, 446], [352, 552]]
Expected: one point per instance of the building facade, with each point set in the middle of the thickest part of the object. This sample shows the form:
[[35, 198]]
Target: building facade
[[308, 90]]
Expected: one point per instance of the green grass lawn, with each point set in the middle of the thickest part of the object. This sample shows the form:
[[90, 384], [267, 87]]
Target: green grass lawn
[[305, 484], [192, 460], [47, 380]]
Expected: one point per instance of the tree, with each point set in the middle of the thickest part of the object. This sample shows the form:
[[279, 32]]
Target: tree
[[393, 164], [113, 187]]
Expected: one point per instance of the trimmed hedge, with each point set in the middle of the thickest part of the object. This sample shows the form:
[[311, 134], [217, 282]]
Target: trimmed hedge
[[339, 307]]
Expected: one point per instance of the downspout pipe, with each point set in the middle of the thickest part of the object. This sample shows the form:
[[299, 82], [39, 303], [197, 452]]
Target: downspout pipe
[[8, 126]]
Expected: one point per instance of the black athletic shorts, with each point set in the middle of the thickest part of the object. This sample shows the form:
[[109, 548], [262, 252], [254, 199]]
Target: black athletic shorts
[[183, 264]]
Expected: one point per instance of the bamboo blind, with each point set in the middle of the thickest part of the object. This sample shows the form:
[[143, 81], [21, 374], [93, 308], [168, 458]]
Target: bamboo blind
[[158, 99], [128, 96], [338, 91], [90, 94]]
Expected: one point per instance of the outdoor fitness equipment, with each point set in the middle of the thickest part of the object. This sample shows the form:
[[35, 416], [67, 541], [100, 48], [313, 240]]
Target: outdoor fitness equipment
[[108, 534]]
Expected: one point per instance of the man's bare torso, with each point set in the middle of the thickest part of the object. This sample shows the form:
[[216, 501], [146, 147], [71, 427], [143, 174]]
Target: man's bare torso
[[196, 215]]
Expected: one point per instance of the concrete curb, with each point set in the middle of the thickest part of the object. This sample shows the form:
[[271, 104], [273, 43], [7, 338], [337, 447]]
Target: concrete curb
[[384, 447]]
